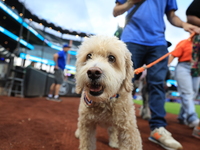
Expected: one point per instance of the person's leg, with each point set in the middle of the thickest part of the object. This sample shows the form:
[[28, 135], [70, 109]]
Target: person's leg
[[145, 112], [155, 80], [51, 92], [185, 86], [182, 116], [138, 54], [145, 96], [196, 84], [52, 89], [59, 80], [57, 89]]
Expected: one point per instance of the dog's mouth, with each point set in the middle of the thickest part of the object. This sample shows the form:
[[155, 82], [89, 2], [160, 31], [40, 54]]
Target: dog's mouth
[[95, 88]]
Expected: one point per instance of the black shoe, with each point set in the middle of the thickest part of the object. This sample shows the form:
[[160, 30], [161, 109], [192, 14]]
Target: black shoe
[[56, 99], [49, 98], [180, 121]]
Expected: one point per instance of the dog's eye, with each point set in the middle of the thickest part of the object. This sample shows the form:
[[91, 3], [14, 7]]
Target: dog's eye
[[111, 58], [89, 56]]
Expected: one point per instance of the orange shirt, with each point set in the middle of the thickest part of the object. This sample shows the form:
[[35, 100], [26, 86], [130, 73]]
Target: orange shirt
[[183, 50]]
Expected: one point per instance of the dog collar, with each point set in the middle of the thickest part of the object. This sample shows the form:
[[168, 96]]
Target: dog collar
[[90, 103]]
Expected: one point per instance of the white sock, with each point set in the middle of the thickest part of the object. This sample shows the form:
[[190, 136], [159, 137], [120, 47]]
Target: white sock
[[56, 96], [50, 95]]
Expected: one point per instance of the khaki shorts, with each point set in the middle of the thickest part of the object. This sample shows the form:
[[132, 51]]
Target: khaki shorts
[[59, 76]]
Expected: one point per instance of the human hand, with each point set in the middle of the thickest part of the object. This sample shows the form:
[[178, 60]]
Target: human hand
[[56, 67], [191, 28], [133, 2]]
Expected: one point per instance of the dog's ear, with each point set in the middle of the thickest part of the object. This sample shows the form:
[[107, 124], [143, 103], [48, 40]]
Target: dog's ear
[[78, 87], [129, 72]]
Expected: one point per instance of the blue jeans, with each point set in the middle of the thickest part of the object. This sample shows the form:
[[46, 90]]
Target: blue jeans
[[187, 87], [155, 79]]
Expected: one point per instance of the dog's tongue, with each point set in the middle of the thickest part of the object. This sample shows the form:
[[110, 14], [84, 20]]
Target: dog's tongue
[[95, 88]]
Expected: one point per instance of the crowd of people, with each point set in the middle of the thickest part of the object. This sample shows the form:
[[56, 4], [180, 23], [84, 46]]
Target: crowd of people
[[144, 36]]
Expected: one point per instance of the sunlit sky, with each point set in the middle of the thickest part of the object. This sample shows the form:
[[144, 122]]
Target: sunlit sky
[[95, 16]]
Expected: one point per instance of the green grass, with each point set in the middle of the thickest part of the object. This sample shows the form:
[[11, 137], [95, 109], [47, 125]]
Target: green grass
[[172, 107]]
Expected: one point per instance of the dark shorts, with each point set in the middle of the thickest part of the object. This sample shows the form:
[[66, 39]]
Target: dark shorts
[[59, 76]]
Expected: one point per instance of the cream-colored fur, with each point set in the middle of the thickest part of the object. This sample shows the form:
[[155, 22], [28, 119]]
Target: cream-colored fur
[[104, 68]]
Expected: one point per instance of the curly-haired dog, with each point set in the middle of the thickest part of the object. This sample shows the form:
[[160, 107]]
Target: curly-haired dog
[[104, 74]]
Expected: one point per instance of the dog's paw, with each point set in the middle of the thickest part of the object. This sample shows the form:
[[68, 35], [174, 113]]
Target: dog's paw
[[77, 133], [113, 145]]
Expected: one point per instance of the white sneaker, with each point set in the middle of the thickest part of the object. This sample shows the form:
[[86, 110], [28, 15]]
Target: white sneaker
[[194, 123], [164, 138]]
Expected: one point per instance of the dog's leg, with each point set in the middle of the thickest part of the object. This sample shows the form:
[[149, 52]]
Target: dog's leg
[[145, 111], [77, 130], [129, 136], [77, 133], [113, 137], [129, 139], [87, 136]]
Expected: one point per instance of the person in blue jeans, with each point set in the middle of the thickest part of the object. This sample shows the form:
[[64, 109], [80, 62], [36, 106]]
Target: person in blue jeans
[[144, 35]]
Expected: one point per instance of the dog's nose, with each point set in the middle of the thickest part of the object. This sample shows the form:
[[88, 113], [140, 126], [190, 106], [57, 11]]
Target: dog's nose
[[94, 73]]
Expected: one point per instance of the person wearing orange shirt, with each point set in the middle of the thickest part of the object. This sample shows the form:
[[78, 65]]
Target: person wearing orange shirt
[[186, 83], [193, 17]]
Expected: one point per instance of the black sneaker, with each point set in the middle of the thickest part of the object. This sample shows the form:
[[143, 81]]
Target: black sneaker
[[56, 99], [180, 121], [49, 98]]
